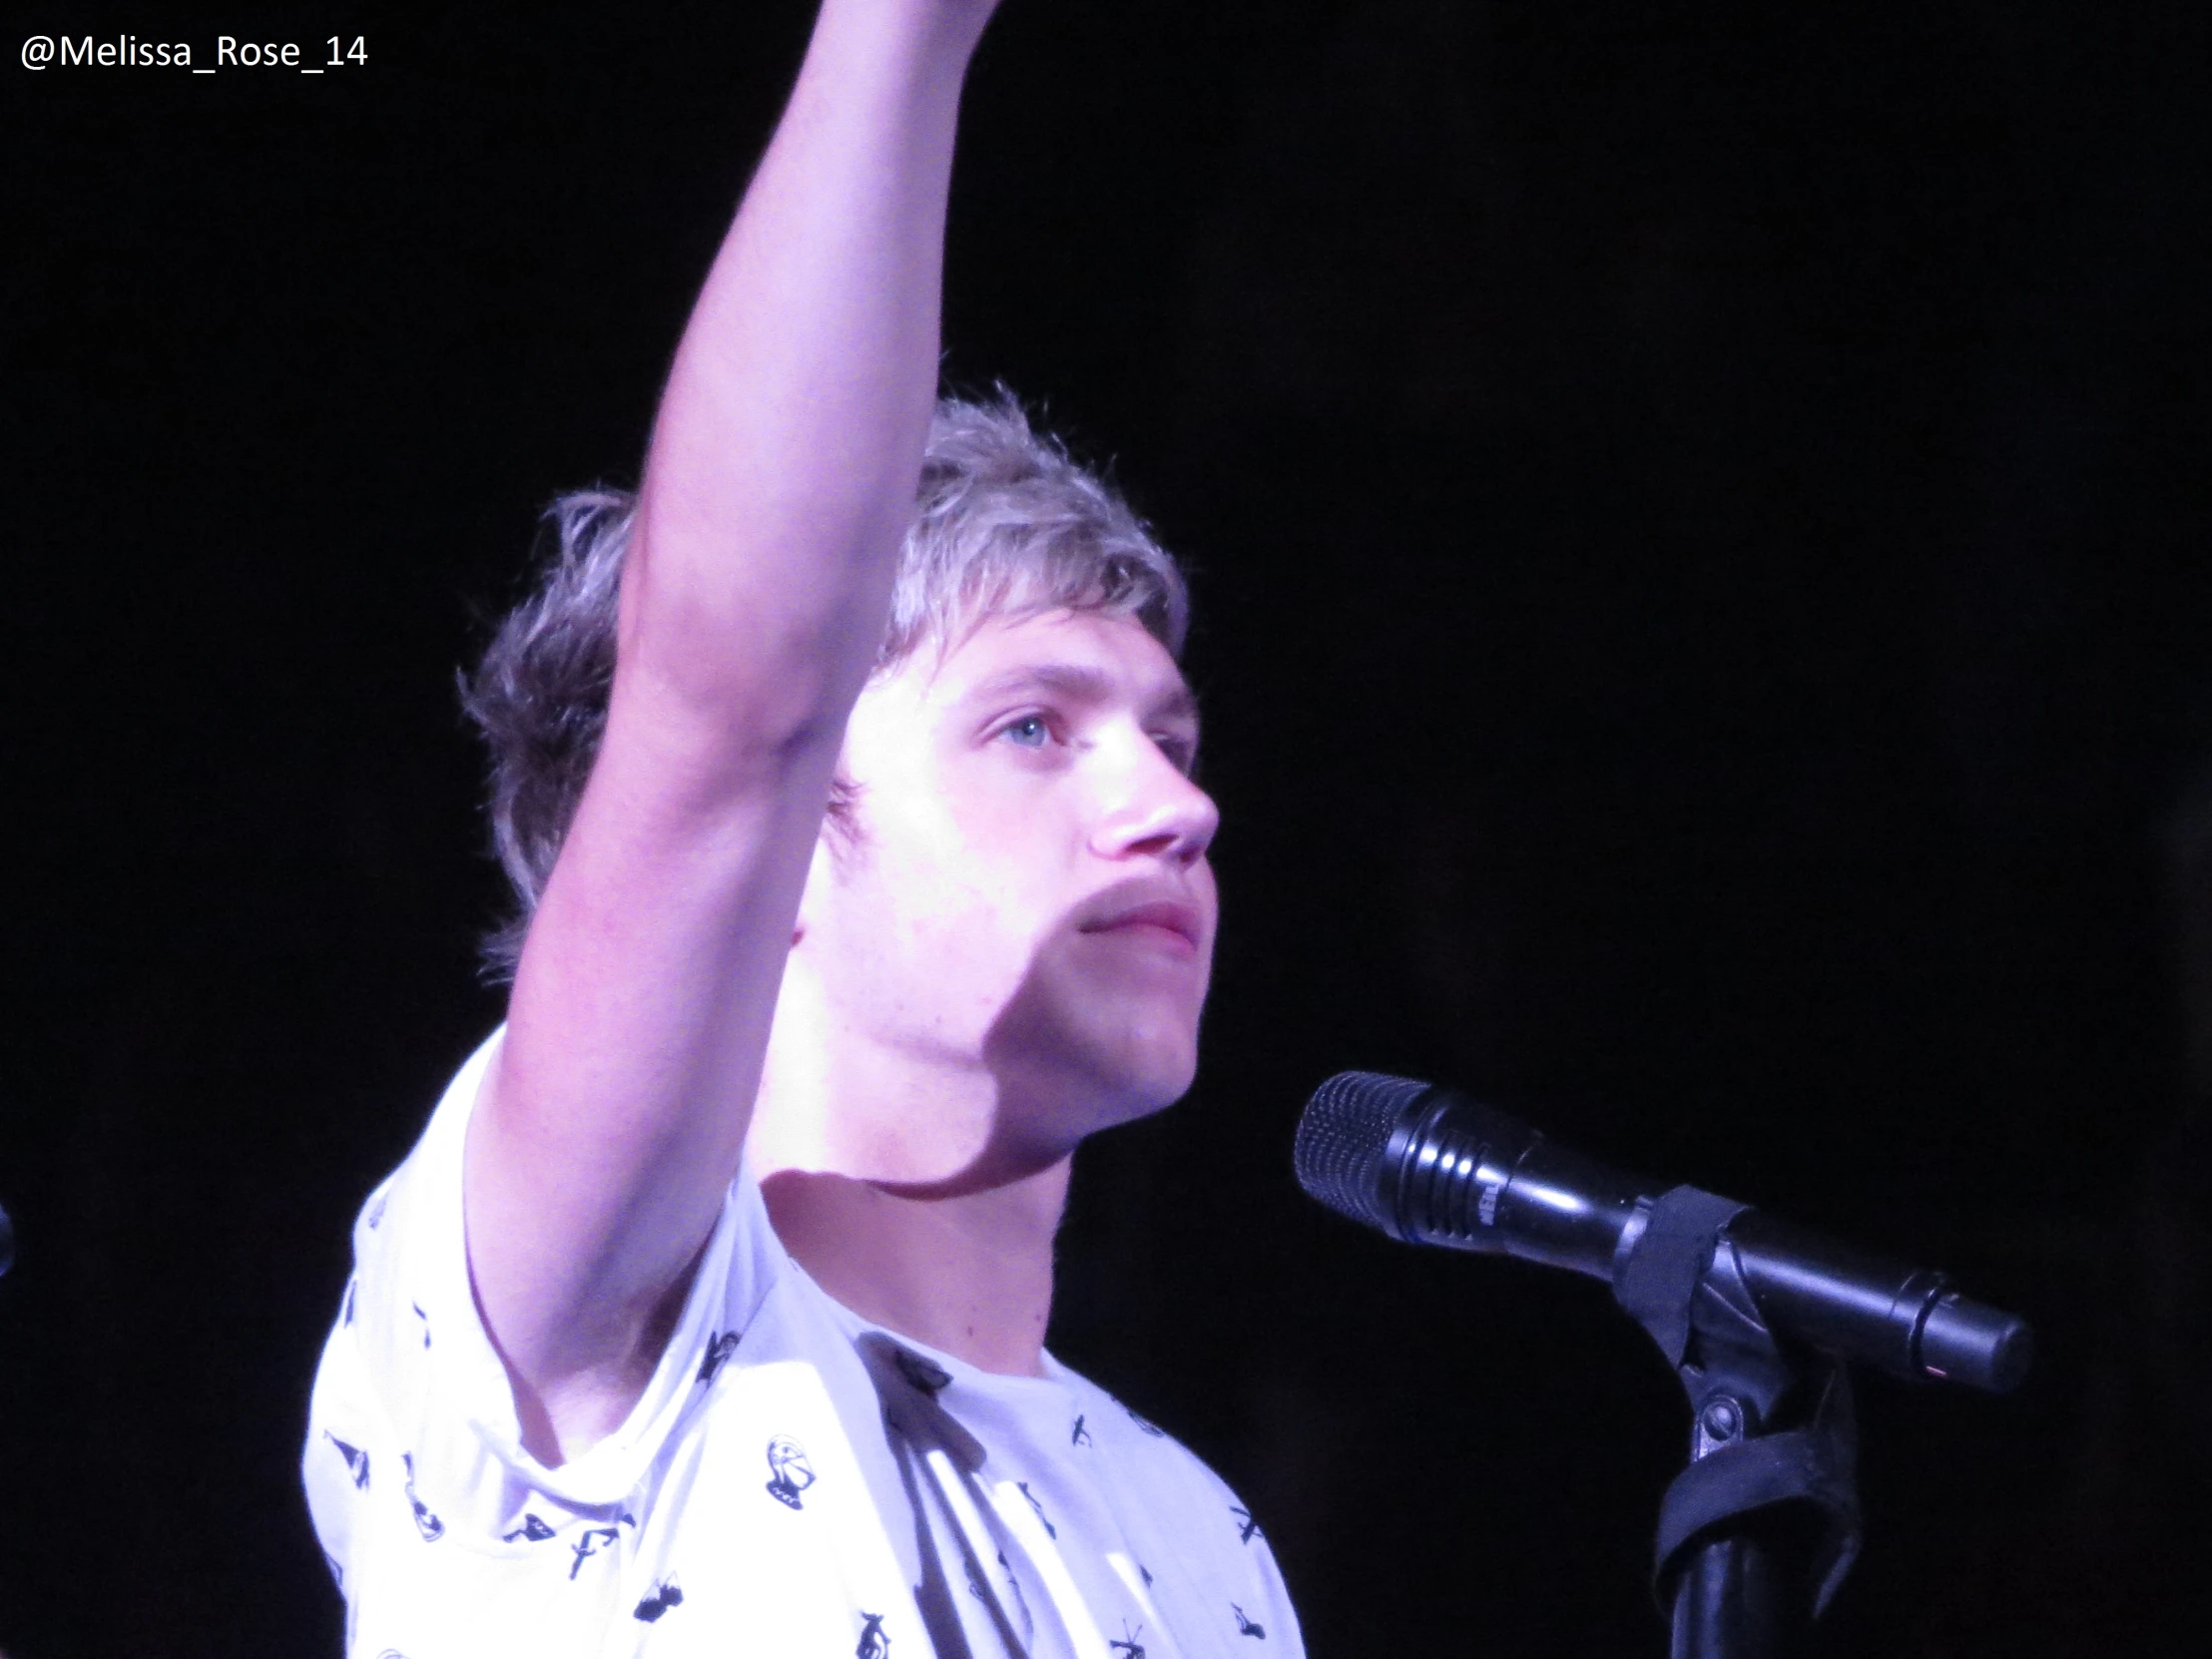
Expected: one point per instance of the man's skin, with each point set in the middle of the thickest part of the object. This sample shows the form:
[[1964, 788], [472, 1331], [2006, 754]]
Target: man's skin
[[918, 1023]]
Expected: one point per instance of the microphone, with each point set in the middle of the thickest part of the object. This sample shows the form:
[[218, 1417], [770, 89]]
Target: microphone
[[1429, 1166]]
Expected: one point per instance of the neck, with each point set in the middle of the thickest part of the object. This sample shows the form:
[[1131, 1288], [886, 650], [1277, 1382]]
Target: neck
[[890, 1180], [968, 1273]]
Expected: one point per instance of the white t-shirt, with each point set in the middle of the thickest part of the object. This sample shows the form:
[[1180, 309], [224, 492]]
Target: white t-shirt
[[793, 1482]]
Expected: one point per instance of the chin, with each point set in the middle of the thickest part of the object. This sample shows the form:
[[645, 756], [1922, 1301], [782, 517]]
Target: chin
[[1142, 1073], [1091, 1050], [1082, 1080], [1136, 1098]]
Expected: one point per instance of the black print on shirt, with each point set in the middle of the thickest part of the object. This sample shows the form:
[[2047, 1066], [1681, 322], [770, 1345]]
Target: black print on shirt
[[425, 1319], [1082, 1435], [724, 1344], [1021, 1601], [357, 1460], [532, 1530], [930, 1378], [1050, 1530], [1246, 1528], [377, 1212], [1245, 1627], [350, 1286], [431, 1528], [665, 1595], [789, 1472], [873, 1643], [1152, 1428], [1128, 1647], [588, 1545], [1146, 1573]]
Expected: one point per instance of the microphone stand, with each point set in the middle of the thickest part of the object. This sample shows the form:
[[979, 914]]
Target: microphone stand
[[1758, 1531]]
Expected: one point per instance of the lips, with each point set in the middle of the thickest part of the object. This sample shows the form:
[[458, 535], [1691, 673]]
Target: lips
[[1172, 917]]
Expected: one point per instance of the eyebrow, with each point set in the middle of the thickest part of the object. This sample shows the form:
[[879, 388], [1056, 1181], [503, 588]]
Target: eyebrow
[[1081, 683]]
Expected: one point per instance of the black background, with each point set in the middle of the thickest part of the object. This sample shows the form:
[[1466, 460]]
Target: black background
[[1699, 516]]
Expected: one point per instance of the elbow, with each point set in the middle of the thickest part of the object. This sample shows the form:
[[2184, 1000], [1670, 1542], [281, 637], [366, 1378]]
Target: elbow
[[768, 653], [735, 721]]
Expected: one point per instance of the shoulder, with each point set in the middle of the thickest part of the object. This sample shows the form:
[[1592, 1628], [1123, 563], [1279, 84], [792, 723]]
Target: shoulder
[[1223, 1574], [413, 1403], [1104, 1415], [1138, 1444]]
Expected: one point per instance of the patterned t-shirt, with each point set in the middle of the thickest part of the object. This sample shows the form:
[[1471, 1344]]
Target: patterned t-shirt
[[793, 1482]]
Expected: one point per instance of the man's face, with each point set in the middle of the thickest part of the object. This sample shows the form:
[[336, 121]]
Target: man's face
[[1030, 897]]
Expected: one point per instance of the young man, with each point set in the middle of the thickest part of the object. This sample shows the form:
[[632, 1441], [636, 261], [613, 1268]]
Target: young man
[[707, 1316]]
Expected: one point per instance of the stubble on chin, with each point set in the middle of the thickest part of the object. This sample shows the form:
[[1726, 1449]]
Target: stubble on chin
[[1080, 1047]]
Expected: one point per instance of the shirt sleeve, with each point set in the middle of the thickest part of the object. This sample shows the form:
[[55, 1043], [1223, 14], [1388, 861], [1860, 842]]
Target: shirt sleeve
[[412, 1407]]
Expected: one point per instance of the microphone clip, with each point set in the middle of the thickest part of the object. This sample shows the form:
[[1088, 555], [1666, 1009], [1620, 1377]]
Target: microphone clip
[[1761, 1528]]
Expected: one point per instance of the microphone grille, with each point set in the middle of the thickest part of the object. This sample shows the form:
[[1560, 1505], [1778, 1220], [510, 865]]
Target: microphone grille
[[1342, 1138]]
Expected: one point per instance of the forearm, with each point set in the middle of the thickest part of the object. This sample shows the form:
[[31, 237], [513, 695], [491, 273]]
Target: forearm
[[784, 459]]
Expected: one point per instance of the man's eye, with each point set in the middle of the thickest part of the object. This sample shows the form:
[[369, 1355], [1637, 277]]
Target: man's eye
[[1181, 752], [1029, 731]]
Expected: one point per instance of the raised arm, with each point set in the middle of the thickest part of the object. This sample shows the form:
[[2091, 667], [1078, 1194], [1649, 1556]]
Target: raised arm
[[781, 476]]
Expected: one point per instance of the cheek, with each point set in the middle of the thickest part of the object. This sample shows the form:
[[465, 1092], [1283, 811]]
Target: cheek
[[966, 872], [1001, 859], [946, 919]]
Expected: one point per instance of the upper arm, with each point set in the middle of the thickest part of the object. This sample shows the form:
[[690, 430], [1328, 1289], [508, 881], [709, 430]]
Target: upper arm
[[616, 1112]]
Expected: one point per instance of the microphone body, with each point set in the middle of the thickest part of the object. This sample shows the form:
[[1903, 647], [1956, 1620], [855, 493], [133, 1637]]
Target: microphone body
[[1429, 1166]]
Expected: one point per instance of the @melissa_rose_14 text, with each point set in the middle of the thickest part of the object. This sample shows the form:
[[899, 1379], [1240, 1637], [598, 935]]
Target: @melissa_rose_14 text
[[228, 52]]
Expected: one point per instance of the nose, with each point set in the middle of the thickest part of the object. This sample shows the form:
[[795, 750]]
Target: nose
[[1151, 807]]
